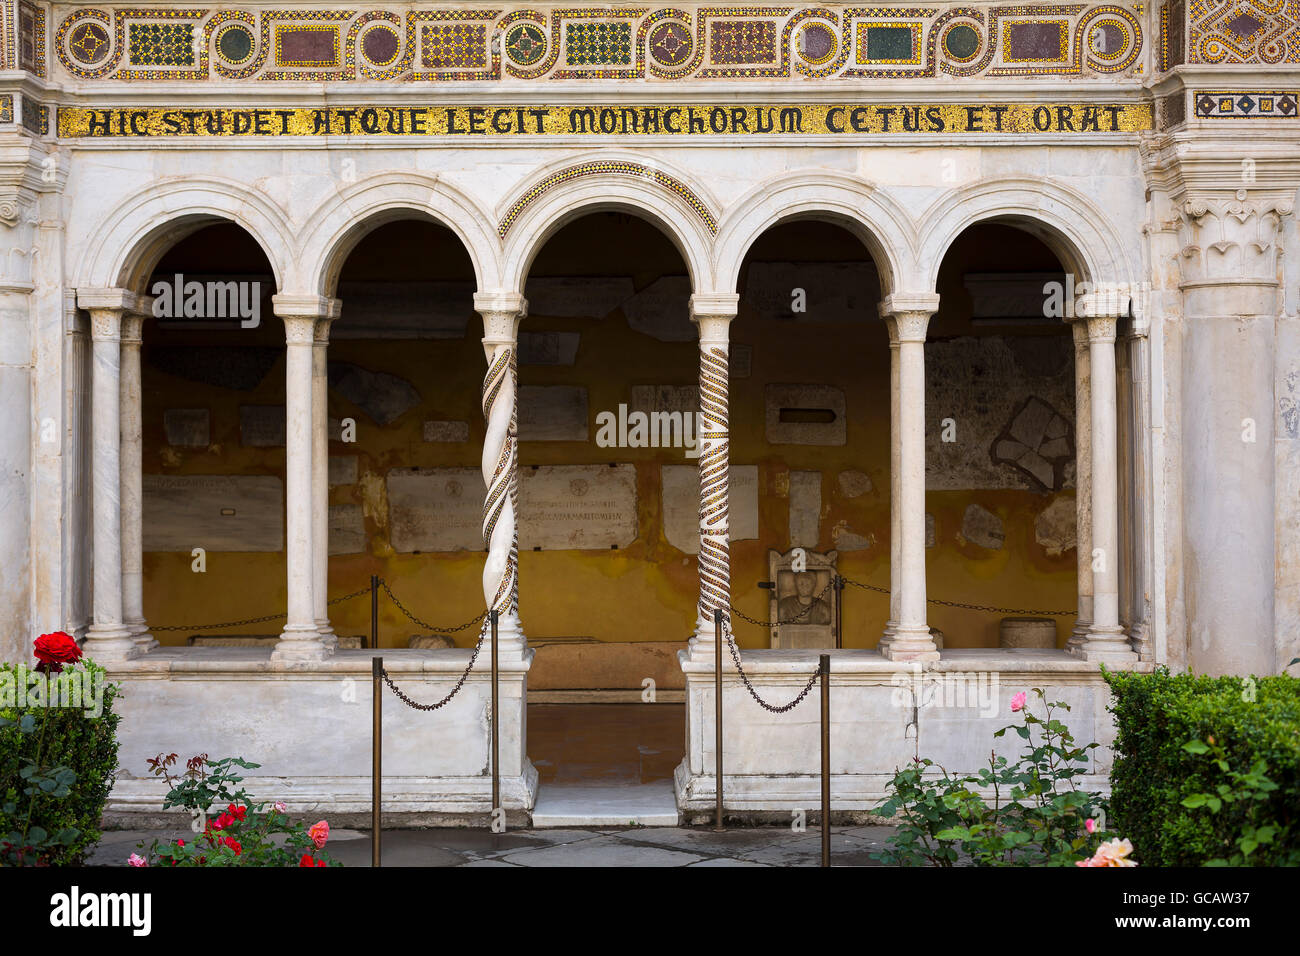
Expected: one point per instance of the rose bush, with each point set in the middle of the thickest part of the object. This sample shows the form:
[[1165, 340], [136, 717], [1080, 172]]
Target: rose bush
[[242, 833]]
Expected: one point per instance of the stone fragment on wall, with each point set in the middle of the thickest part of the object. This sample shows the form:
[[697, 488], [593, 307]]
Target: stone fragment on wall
[[187, 427], [804, 415], [261, 426], [1037, 441], [382, 396], [665, 398], [832, 291], [805, 508], [552, 413], [845, 538], [435, 509], [342, 469], [981, 527], [238, 367], [662, 310], [404, 309], [1055, 527], [347, 529], [446, 431], [213, 512], [564, 507], [853, 483], [680, 497], [548, 348], [577, 297], [982, 384]]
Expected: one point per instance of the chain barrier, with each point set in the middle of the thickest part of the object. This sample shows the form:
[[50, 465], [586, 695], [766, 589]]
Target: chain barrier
[[744, 678], [415, 704], [425, 624], [968, 607], [251, 620]]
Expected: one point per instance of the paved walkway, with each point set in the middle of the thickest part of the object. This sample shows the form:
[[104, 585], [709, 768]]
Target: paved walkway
[[592, 846]]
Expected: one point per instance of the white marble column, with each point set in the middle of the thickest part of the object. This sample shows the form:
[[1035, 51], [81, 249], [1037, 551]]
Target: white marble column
[[908, 317], [712, 314], [502, 313], [301, 639], [1082, 483], [132, 483], [320, 487], [108, 638], [1106, 639]]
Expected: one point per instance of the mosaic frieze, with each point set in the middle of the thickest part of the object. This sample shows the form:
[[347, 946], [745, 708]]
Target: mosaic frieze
[[666, 43], [1250, 31], [450, 124], [1246, 104]]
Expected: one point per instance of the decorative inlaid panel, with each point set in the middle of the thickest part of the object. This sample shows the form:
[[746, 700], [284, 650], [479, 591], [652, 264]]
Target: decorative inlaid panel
[[1251, 104], [420, 43], [1250, 31], [31, 38]]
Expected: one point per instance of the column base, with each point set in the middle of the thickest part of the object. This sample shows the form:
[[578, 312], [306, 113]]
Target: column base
[[700, 644], [1104, 644], [110, 642], [328, 638], [909, 643], [301, 644], [143, 639], [512, 644]]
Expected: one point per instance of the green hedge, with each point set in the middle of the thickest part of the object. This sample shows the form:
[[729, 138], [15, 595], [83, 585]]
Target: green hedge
[[1250, 719], [72, 738]]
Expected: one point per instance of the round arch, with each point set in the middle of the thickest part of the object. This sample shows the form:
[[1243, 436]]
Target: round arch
[[336, 227], [561, 192], [130, 240], [883, 226], [1067, 221]]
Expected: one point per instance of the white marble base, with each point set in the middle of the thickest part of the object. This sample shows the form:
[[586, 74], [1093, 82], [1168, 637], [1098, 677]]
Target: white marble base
[[883, 714], [308, 725]]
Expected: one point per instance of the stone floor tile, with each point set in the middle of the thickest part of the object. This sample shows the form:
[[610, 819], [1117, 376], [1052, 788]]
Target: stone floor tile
[[607, 850]]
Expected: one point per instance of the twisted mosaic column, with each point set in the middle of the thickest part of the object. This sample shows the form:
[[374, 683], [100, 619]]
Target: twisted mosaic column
[[713, 315], [501, 316]]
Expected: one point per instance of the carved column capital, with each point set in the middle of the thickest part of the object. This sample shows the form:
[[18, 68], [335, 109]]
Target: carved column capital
[[502, 312], [292, 305], [1232, 238], [1101, 329], [907, 315]]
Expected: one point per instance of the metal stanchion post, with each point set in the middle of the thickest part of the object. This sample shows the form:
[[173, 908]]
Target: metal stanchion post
[[825, 667], [374, 611], [496, 730], [839, 612], [376, 754], [717, 714]]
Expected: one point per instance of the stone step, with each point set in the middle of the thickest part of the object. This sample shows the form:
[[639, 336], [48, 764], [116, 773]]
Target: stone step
[[609, 805]]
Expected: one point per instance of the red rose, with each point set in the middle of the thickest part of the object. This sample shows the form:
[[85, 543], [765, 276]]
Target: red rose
[[306, 860], [237, 812], [233, 844], [55, 650]]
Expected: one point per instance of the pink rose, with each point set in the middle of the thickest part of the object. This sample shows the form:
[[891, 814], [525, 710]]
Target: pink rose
[[1090, 825], [319, 833], [278, 807], [135, 859], [1018, 702]]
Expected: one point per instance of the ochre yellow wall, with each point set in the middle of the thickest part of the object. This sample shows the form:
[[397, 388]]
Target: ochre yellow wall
[[648, 590]]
